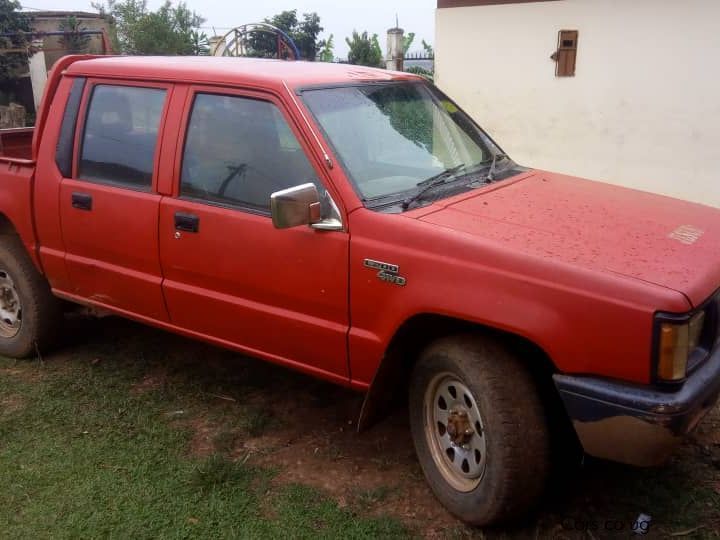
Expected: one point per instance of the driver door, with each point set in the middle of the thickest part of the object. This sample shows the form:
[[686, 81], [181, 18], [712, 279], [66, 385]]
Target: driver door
[[229, 274]]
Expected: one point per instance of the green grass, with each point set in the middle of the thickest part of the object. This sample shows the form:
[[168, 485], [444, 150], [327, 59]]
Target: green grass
[[83, 456]]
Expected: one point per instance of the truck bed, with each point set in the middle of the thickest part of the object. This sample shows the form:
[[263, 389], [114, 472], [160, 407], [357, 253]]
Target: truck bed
[[16, 143], [17, 170]]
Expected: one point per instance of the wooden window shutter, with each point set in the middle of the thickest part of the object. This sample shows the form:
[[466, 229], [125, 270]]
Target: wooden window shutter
[[566, 55]]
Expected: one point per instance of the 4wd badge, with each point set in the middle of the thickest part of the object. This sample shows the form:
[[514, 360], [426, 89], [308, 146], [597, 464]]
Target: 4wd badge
[[386, 271]]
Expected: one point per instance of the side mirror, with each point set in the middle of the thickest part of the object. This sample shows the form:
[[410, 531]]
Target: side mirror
[[298, 205]]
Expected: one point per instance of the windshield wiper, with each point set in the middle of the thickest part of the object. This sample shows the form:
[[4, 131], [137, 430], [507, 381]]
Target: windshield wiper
[[491, 173], [430, 183], [490, 177]]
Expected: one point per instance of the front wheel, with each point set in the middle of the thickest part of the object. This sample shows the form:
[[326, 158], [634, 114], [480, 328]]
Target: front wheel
[[479, 429]]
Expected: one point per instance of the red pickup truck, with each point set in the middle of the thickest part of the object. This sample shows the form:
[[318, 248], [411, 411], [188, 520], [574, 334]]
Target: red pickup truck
[[356, 225]]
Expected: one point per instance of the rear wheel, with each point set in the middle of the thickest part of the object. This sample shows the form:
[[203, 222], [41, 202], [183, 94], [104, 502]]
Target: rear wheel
[[29, 314], [479, 429], [10, 306]]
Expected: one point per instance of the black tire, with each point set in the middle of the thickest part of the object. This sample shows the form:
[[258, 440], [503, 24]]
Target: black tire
[[512, 426], [38, 315]]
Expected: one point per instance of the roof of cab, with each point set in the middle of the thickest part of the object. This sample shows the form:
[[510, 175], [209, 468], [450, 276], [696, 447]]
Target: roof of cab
[[233, 70]]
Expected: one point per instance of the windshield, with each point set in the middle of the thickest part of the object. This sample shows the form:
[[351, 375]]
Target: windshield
[[393, 138]]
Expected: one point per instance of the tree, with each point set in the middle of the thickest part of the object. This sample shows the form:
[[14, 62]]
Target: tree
[[326, 49], [408, 41], [170, 30], [429, 51], [364, 51], [303, 32], [72, 40], [306, 35], [200, 43], [14, 49], [264, 44], [418, 70], [286, 21]]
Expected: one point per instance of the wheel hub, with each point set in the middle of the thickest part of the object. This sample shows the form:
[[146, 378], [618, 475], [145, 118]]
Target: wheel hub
[[454, 430], [459, 427]]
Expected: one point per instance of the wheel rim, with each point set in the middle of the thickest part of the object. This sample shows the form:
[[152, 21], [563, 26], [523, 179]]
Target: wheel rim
[[455, 432], [10, 307]]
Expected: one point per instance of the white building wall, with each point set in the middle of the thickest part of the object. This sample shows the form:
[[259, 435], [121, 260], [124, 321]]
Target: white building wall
[[643, 109]]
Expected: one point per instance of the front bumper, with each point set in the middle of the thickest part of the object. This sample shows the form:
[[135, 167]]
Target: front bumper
[[638, 425]]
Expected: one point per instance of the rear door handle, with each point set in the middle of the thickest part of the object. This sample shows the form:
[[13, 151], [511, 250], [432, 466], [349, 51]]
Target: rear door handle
[[187, 222], [82, 201]]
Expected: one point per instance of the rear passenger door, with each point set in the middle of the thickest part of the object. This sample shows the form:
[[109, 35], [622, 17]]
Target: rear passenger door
[[229, 274], [109, 206]]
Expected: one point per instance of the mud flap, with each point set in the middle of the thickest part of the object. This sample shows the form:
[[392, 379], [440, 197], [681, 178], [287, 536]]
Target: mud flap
[[380, 399]]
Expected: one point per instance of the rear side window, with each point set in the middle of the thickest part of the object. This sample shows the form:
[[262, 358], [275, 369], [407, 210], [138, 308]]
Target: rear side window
[[121, 131], [66, 140], [240, 150]]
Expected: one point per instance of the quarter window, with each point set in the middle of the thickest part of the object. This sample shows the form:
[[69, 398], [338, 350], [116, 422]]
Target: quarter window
[[66, 140], [240, 150], [121, 132]]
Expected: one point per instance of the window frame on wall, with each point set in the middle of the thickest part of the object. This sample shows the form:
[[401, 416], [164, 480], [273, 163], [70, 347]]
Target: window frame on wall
[[566, 55], [81, 128], [254, 95]]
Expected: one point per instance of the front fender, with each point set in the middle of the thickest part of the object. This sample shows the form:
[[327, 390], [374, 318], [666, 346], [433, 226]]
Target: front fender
[[586, 322]]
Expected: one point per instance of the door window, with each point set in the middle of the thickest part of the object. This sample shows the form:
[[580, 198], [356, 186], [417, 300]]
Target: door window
[[240, 150], [120, 137]]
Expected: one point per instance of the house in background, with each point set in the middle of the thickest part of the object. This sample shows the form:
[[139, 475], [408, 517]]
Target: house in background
[[622, 91], [93, 39], [51, 21], [26, 88]]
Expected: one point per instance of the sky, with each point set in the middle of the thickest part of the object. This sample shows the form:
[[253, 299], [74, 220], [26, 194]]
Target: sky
[[338, 17]]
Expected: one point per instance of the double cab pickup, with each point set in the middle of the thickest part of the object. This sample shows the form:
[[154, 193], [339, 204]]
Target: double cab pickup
[[355, 224]]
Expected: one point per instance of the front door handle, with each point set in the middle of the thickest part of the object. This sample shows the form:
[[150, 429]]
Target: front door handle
[[187, 222], [82, 201]]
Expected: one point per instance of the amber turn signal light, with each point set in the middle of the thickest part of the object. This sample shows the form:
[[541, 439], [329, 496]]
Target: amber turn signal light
[[678, 341], [674, 351]]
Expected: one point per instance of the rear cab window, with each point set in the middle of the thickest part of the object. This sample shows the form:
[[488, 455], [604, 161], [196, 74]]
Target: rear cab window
[[120, 136]]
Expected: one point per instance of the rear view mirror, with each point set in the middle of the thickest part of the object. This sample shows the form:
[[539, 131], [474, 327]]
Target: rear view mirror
[[298, 205]]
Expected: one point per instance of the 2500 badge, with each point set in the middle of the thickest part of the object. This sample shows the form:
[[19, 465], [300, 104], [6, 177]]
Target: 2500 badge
[[386, 271]]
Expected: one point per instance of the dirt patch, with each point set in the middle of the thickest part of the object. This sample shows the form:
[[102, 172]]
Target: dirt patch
[[150, 382], [34, 374], [708, 432], [204, 434], [12, 372], [305, 430], [11, 404], [307, 433], [374, 471]]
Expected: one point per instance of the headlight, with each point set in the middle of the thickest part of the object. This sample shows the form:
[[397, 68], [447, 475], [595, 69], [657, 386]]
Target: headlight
[[684, 341]]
